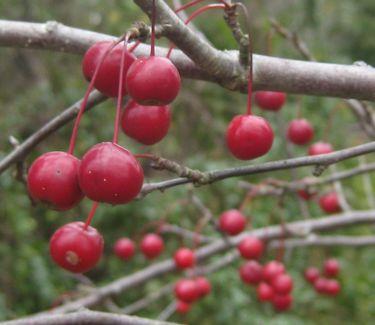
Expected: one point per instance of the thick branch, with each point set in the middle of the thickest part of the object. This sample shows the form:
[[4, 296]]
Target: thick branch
[[164, 267], [292, 76], [86, 317]]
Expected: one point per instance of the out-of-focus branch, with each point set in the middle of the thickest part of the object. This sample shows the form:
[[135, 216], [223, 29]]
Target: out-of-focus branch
[[86, 317]]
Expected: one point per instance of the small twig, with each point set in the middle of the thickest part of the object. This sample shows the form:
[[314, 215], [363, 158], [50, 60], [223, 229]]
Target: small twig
[[367, 184], [168, 311], [340, 193]]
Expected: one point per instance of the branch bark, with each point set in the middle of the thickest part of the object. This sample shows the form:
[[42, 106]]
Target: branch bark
[[86, 317], [222, 67]]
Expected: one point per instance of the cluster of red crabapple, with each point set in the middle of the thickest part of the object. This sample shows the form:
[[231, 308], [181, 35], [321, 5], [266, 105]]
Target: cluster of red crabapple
[[61, 180]]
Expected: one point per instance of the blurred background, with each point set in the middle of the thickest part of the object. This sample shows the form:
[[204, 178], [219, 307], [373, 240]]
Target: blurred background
[[37, 85]]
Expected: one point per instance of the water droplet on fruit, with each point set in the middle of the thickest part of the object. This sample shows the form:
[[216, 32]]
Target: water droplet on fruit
[[90, 172], [104, 179], [72, 258], [43, 188]]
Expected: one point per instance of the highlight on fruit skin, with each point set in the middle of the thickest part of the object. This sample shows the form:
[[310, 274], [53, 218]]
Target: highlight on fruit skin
[[53, 180], [75, 247]]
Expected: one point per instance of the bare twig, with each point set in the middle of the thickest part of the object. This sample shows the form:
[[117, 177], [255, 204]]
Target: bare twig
[[86, 317], [340, 193], [217, 175]]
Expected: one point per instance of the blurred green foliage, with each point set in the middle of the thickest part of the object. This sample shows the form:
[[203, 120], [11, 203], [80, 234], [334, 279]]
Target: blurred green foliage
[[37, 85]]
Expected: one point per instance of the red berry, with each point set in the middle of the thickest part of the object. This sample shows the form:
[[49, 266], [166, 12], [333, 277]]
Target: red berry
[[53, 180], [329, 203], [186, 290], [249, 136], [320, 148], [184, 258], [282, 284], [153, 80], [320, 285], [282, 302], [146, 124], [264, 292], [251, 272], [204, 286], [232, 222], [107, 79], [331, 267], [76, 248], [333, 287], [109, 173], [311, 274], [300, 131], [152, 245], [271, 270], [305, 195], [182, 307], [251, 248], [270, 100], [124, 248]]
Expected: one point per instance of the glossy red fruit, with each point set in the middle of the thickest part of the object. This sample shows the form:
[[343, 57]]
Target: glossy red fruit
[[249, 136], [182, 307], [300, 131], [76, 248], [311, 274], [152, 245], [107, 79], [204, 286], [153, 80], [270, 100], [184, 258], [251, 272], [320, 148], [145, 124], [271, 270], [320, 285], [186, 290], [264, 292], [53, 180], [332, 288], [329, 203], [251, 248], [282, 302], [282, 284], [331, 267], [124, 248], [232, 222], [109, 173]]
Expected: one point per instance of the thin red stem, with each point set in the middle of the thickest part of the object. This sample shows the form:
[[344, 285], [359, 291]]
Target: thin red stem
[[195, 14], [77, 122], [91, 214], [153, 22], [187, 5], [120, 91]]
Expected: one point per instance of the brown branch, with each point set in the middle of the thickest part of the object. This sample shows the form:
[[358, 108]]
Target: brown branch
[[222, 67], [217, 175], [86, 317], [167, 266], [326, 241]]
